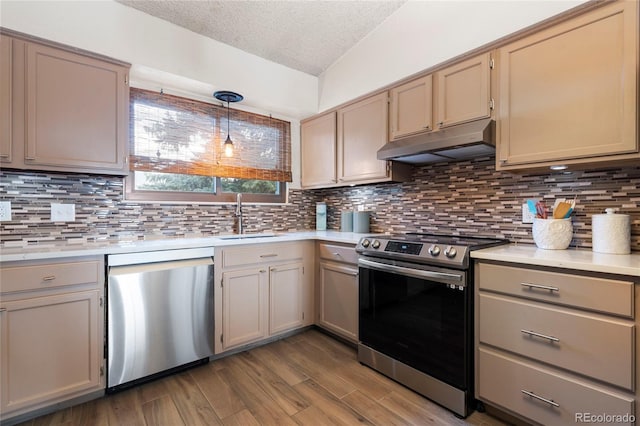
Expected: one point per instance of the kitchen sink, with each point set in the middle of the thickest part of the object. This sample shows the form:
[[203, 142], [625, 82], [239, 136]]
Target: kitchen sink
[[247, 236]]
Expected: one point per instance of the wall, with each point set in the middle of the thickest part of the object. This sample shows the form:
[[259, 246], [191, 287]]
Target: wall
[[165, 53], [102, 215], [472, 198], [468, 197], [422, 34]]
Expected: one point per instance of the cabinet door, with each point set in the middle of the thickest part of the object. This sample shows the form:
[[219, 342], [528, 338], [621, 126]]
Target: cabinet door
[[5, 98], [318, 151], [77, 112], [362, 131], [463, 92], [570, 92], [51, 349], [286, 297], [339, 299], [245, 306], [411, 110]]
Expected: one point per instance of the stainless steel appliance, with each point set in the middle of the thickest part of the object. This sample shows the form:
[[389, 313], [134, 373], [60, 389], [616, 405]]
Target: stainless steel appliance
[[160, 313], [416, 313]]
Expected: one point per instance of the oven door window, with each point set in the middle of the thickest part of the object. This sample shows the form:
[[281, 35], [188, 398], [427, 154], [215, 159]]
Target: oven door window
[[419, 322]]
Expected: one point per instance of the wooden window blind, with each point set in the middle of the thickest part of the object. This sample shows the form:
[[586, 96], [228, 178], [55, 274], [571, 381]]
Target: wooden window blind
[[170, 134]]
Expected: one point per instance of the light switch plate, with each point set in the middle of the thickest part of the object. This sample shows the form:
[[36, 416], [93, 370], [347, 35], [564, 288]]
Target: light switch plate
[[527, 216], [63, 212], [5, 211]]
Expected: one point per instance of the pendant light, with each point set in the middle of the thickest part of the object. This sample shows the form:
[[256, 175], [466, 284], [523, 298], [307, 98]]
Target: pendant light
[[227, 96]]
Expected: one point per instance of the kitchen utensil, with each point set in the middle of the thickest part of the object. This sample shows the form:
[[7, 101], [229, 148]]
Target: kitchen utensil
[[541, 210], [562, 210], [531, 204]]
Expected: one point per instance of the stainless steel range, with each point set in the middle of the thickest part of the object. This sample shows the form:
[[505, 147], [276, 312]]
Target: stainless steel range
[[416, 313]]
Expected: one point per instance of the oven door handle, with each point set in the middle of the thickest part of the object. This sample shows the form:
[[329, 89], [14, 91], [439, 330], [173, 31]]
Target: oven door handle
[[415, 273]]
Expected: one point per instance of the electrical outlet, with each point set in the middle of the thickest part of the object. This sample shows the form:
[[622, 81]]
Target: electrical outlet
[[63, 212], [5, 211], [527, 216]]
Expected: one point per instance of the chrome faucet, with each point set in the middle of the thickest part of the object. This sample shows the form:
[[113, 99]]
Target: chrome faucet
[[239, 212]]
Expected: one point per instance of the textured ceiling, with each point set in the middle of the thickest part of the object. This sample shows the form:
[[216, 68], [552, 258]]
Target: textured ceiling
[[306, 35]]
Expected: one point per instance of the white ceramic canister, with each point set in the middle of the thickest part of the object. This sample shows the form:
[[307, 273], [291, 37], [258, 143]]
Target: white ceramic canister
[[611, 232]]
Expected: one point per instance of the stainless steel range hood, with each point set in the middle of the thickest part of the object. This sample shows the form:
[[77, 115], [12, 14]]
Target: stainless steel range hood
[[461, 142]]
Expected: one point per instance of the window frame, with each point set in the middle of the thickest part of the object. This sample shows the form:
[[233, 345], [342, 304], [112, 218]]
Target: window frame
[[215, 196], [204, 197]]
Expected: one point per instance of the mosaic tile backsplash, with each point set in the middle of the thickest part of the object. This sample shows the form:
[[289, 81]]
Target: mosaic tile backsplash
[[468, 197]]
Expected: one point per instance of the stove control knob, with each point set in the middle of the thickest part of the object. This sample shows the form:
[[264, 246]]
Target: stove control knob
[[434, 250], [450, 252], [365, 243], [375, 244]]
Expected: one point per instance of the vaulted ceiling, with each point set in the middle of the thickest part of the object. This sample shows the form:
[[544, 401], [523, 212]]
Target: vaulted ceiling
[[306, 35]]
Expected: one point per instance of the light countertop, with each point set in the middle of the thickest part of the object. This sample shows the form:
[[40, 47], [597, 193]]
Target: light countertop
[[70, 249], [580, 259]]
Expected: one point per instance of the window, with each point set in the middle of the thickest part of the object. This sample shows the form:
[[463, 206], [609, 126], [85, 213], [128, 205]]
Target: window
[[177, 154]]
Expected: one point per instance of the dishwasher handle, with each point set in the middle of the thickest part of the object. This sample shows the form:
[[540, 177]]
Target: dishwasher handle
[[158, 266], [138, 258]]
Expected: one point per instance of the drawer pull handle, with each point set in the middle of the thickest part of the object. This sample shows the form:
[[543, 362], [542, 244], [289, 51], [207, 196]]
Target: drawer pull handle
[[542, 336], [540, 286], [3, 309], [539, 398], [269, 255], [49, 278], [337, 254]]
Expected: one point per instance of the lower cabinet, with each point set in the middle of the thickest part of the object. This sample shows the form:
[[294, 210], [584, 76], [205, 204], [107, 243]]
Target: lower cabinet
[[245, 306], [286, 297], [337, 292], [51, 333], [263, 290], [554, 346]]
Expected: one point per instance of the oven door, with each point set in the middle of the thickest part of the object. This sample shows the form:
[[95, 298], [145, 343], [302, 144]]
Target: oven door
[[418, 315]]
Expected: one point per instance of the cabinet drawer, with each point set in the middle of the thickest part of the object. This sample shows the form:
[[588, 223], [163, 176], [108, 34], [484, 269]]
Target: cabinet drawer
[[338, 253], [573, 397], [598, 294], [251, 254], [587, 344], [43, 276]]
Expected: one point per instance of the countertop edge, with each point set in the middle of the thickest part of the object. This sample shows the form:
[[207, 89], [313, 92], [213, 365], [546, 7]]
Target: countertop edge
[[53, 251], [577, 259]]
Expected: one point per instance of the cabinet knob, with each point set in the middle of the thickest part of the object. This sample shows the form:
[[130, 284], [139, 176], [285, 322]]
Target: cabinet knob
[[441, 123]]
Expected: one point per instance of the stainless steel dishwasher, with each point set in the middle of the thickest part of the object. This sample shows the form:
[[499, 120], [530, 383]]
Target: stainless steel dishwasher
[[160, 313]]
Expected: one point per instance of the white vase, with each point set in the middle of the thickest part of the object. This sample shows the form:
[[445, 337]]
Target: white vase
[[552, 234]]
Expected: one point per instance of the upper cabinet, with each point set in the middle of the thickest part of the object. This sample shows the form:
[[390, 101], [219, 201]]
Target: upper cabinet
[[340, 148], [69, 111], [5, 98], [411, 108], [318, 151], [569, 95], [463, 92], [457, 94], [362, 131]]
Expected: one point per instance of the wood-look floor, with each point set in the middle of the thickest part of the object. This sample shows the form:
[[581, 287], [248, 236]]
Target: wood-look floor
[[306, 379]]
